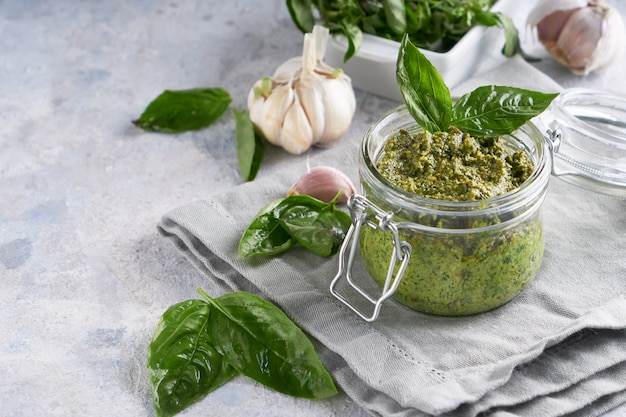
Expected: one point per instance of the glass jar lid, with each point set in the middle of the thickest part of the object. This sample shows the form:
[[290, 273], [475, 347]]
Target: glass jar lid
[[587, 134]]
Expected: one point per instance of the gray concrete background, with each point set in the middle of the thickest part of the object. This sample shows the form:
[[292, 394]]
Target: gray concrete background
[[84, 276]]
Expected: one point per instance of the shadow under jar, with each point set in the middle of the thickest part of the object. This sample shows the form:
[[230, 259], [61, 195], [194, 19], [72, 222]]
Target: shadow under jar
[[450, 258]]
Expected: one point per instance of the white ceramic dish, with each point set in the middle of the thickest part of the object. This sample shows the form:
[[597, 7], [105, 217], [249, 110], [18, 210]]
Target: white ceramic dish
[[373, 67]]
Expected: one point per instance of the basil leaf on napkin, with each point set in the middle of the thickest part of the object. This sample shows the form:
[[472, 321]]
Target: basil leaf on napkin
[[265, 236], [249, 145], [183, 364], [183, 110], [487, 111], [316, 225], [262, 343]]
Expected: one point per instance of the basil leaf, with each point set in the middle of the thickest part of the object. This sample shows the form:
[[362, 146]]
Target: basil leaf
[[265, 235], [317, 226], [261, 342], [395, 15], [184, 110], [425, 94], [249, 145], [435, 25], [301, 13], [511, 38], [354, 35], [183, 364], [494, 110]]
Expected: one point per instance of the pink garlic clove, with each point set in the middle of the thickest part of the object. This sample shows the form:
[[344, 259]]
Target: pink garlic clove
[[324, 183], [583, 35]]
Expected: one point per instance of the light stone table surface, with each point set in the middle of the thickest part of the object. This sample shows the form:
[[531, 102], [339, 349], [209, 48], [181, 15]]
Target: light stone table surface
[[84, 276]]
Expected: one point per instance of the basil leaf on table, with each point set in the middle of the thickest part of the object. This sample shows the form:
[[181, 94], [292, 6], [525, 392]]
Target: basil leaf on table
[[262, 343], [184, 110], [183, 364], [316, 225], [249, 145], [495, 111], [423, 89]]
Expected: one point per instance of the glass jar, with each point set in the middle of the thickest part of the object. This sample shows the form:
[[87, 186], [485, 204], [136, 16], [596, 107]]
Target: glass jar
[[587, 130], [443, 257]]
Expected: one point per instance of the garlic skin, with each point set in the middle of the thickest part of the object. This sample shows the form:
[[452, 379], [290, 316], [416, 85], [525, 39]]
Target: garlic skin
[[324, 183], [306, 102], [583, 35]]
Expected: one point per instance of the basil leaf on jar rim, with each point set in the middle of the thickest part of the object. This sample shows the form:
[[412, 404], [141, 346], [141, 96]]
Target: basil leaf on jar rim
[[176, 111], [496, 111], [488, 111], [182, 362], [424, 91], [262, 343]]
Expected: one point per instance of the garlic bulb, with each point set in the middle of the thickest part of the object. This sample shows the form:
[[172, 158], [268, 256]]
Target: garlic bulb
[[306, 102], [583, 35], [324, 183]]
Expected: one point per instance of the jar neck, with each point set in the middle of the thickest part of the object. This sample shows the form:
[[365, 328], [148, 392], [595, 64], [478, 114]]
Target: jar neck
[[452, 214]]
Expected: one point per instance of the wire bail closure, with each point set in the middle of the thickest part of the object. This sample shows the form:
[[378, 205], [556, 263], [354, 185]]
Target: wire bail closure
[[553, 140], [366, 214]]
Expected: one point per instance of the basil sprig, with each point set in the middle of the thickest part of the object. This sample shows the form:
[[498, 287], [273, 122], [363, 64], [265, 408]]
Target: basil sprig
[[314, 224], [433, 25], [201, 344], [488, 111]]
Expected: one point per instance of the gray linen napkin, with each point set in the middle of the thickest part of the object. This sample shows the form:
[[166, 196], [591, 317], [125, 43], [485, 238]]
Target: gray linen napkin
[[555, 350]]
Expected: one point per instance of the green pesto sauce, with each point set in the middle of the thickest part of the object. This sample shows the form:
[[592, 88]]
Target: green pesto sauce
[[458, 275], [452, 165], [465, 273]]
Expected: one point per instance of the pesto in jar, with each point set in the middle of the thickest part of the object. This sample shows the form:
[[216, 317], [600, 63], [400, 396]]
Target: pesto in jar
[[458, 266], [452, 165]]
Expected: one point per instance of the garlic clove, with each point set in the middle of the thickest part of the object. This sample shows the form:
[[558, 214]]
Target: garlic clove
[[611, 46], [583, 35], [296, 135], [308, 89], [340, 106], [288, 71], [324, 183], [269, 113], [551, 26], [578, 39], [545, 8]]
